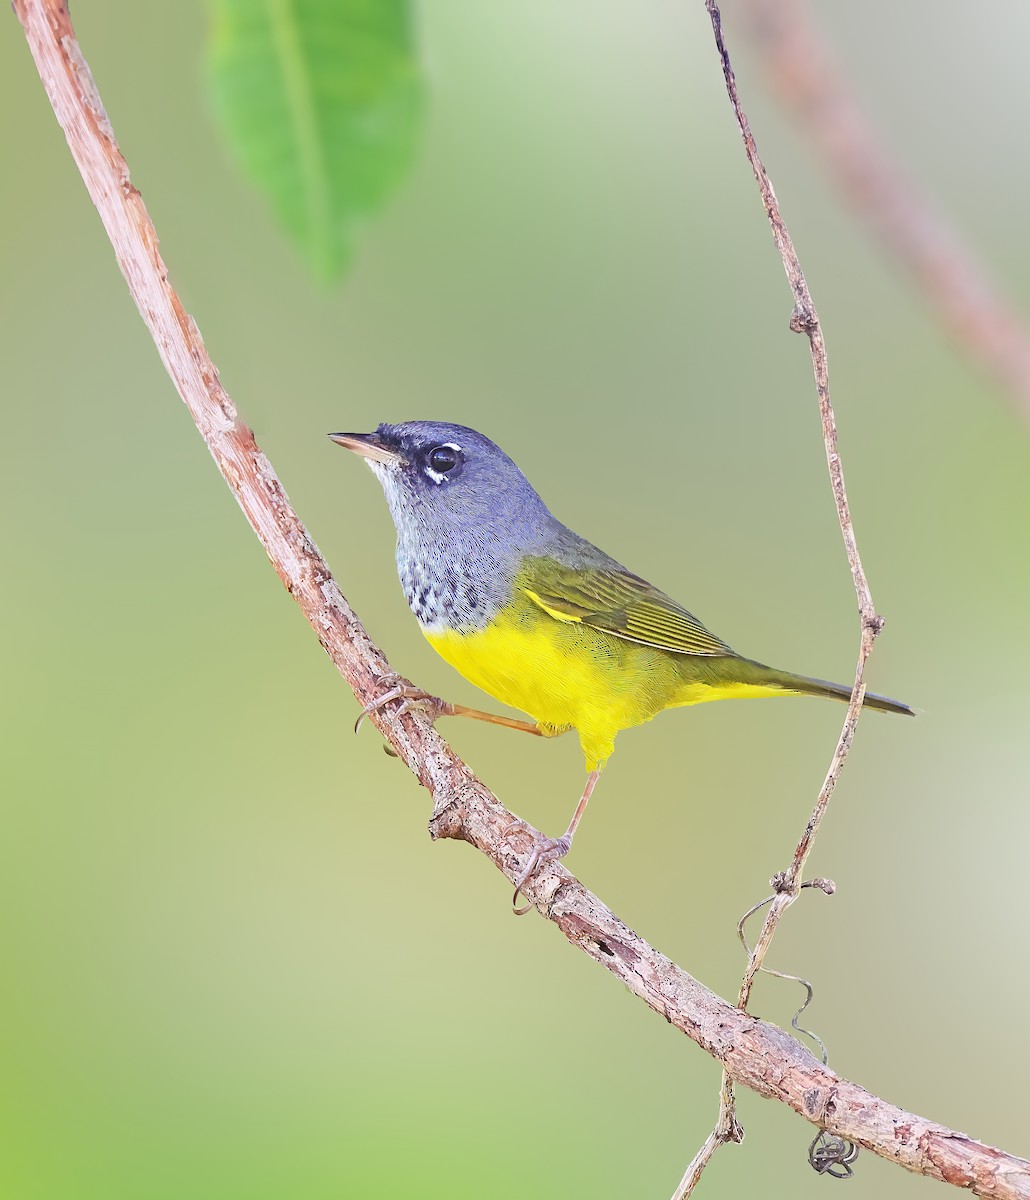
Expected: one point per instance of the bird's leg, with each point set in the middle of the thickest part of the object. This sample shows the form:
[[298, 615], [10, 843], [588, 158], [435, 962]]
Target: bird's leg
[[547, 849], [434, 708]]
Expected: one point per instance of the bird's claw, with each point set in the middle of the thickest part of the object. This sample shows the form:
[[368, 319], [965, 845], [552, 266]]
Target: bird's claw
[[545, 850], [517, 823], [410, 697]]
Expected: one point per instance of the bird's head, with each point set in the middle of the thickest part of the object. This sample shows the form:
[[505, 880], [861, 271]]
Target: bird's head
[[447, 479]]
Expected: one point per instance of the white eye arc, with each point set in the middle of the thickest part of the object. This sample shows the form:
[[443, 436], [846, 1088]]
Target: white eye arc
[[442, 460]]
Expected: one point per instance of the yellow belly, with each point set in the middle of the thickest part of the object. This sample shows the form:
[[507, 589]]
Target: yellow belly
[[568, 676]]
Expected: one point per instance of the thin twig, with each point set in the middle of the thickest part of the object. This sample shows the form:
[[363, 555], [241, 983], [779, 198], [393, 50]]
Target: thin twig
[[701, 1159], [756, 1054], [811, 83], [804, 319]]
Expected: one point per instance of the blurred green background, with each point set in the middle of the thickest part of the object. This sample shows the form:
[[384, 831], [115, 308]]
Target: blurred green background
[[235, 965]]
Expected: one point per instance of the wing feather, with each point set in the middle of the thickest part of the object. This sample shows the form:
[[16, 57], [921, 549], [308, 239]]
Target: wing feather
[[619, 603]]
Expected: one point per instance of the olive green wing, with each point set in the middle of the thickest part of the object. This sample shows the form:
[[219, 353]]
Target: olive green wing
[[618, 603]]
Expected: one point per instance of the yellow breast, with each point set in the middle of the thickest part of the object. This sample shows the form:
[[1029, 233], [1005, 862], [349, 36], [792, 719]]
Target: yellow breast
[[564, 675]]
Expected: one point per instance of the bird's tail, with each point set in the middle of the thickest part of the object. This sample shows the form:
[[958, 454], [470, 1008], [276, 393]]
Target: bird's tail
[[762, 676]]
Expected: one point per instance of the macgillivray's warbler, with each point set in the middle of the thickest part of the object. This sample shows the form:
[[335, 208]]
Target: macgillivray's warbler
[[536, 615]]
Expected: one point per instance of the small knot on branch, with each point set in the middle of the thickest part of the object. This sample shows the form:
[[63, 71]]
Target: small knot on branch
[[783, 881], [730, 1129], [803, 319], [448, 819], [873, 622]]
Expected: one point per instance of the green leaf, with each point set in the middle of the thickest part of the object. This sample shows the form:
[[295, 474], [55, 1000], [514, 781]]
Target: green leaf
[[320, 101]]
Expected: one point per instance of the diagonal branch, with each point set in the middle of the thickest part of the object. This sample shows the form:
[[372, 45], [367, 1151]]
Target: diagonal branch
[[756, 1054], [812, 85]]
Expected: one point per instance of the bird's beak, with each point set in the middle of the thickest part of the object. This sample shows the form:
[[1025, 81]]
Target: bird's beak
[[368, 445]]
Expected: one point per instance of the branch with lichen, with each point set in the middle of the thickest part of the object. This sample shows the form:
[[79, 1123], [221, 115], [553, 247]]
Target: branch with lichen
[[753, 1053]]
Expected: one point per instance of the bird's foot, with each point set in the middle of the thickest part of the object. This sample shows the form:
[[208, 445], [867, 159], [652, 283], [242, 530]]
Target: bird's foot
[[545, 850], [410, 697]]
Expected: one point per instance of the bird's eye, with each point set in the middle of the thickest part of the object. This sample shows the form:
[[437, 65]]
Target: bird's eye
[[442, 459]]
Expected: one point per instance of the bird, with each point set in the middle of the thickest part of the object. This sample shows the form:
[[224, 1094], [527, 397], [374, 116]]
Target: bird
[[537, 616]]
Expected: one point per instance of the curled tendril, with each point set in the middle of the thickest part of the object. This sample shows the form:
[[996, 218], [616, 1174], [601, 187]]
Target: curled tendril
[[831, 1155], [828, 1154], [824, 885]]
